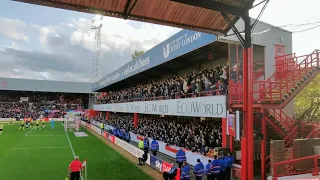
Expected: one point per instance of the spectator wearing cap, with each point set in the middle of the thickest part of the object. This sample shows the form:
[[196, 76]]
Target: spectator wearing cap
[[198, 170]]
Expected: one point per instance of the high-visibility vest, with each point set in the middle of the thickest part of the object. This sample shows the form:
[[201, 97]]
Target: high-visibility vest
[[141, 145]]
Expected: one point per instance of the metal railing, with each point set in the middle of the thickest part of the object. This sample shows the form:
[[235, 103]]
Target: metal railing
[[175, 96], [284, 81], [302, 165]]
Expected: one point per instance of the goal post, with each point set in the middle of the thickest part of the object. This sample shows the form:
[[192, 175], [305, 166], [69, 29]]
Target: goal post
[[72, 123]]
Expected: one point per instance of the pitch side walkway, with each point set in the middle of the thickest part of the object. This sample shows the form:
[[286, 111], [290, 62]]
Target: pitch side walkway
[[170, 160]]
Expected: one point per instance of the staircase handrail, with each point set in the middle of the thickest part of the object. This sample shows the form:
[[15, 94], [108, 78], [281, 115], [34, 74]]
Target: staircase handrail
[[286, 122], [291, 136], [291, 132], [273, 81], [314, 170], [274, 125], [310, 135]]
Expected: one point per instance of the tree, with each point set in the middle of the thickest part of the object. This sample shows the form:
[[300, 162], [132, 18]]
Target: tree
[[137, 54], [307, 102]]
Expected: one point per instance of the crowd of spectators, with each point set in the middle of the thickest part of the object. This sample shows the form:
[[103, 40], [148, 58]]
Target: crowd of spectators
[[189, 133], [31, 104], [208, 81]]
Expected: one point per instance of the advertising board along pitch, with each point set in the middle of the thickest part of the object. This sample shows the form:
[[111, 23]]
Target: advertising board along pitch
[[209, 106]]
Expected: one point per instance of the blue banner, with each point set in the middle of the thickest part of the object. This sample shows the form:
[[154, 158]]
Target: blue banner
[[177, 45], [156, 163]]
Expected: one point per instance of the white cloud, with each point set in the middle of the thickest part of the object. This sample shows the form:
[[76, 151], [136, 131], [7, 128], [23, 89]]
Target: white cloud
[[13, 29], [64, 51]]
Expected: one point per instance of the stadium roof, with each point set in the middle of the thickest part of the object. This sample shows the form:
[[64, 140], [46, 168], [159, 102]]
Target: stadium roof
[[11, 84], [198, 15]]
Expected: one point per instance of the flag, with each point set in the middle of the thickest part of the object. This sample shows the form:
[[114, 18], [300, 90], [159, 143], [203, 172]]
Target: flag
[[237, 125], [84, 163], [230, 124]]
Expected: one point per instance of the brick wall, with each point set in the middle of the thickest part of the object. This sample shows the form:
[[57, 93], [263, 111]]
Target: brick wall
[[304, 148], [277, 152], [301, 148]]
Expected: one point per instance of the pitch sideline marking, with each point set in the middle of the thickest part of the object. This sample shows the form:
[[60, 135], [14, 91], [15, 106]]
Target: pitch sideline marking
[[25, 148], [28, 132], [74, 155], [1, 132], [46, 135]]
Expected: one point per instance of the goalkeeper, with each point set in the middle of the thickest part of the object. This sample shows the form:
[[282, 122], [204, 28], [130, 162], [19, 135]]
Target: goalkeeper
[[75, 168], [52, 123]]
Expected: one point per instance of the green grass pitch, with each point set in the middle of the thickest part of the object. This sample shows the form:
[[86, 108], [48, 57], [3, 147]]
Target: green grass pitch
[[46, 154]]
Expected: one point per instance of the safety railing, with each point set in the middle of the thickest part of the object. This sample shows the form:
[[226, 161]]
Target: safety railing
[[315, 128], [300, 166], [291, 136], [235, 92], [275, 126], [258, 73], [284, 64], [279, 87], [172, 96], [284, 120]]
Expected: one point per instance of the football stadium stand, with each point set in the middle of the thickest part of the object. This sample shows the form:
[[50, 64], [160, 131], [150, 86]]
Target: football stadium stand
[[189, 76], [185, 132], [23, 98]]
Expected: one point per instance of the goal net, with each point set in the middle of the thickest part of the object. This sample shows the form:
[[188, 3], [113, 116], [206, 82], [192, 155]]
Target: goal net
[[72, 123]]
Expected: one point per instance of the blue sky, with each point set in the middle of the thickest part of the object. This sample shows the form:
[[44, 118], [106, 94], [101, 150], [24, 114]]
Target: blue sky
[[46, 43]]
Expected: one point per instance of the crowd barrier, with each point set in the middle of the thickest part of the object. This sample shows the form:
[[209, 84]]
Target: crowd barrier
[[172, 150], [152, 161]]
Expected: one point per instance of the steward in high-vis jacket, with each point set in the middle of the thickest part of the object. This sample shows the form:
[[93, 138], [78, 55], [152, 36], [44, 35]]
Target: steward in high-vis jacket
[[180, 157], [229, 160], [154, 147], [146, 144], [121, 134], [215, 168], [115, 132], [185, 172], [208, 170], [140, 145], [198, 170], [223, 164], [128, 137]]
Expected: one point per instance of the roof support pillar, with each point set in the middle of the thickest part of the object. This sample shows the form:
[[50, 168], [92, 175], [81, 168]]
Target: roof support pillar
[[248, 98], [247, 136]]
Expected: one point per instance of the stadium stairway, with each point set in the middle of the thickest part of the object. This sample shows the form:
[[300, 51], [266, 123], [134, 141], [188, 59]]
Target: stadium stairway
[[270, 96], [289, 79]]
